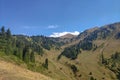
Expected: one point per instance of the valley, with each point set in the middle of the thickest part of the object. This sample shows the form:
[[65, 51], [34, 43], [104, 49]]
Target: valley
[[87, 56]]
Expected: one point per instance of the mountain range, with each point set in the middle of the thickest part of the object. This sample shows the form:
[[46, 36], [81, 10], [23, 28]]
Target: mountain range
[[92, 55]]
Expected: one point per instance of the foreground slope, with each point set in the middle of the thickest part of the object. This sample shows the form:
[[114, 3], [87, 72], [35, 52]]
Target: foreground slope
[[10, 71]]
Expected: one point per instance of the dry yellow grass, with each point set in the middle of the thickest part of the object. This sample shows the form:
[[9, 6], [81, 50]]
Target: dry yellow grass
[[56, 69], [87, 61], [10, 71]]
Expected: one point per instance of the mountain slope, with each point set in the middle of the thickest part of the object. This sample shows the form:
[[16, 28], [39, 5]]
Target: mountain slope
[[10, 71], [88, 56], [104, 40], [88, 37]]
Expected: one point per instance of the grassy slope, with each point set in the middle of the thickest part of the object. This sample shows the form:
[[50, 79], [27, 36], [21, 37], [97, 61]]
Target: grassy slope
[[54, 68], [87, 61], [10, 71]]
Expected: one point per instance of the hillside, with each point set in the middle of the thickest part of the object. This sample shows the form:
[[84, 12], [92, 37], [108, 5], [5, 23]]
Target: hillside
[[92, 55], [88, 37], [103, 40], [10, 71]]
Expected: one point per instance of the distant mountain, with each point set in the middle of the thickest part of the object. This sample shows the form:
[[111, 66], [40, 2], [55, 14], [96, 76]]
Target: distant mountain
[[68, 36], [96, 47], [87, 38]]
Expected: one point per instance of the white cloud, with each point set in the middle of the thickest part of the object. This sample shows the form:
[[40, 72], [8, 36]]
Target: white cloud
[[29, 27], [26, 27], [52, 26], [57, 34]]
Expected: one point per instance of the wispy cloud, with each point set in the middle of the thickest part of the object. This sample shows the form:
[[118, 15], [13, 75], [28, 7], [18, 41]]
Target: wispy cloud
[[52, 26], [29, 27], [35, 27], [26, 27], [58, 34]]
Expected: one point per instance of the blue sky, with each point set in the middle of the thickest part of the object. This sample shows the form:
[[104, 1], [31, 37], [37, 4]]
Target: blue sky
[[45, 17]]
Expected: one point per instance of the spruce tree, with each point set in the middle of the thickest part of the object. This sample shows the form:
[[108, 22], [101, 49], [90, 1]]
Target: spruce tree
[[26, 56], [8, 33], [32, 57], [46, 63], [102, 58], [74, 69], [3, 31]]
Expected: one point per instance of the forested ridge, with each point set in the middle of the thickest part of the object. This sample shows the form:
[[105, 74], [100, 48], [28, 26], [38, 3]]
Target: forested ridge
[[24, 48]]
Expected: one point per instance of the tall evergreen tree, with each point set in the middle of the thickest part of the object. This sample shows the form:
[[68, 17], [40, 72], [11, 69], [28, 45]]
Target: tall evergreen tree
[[26, 55], [32, 57], [8, 33], [3, 31], [46, 63], [74, 69], [102, 58]]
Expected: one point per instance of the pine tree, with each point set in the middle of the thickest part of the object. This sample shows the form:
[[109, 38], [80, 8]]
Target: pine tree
[[92, 78], [32, 57], [74, 69], [3, 31], [46, 63], [8, 33], [26, 56], [8, 50], [102, 58], [20, 53]]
